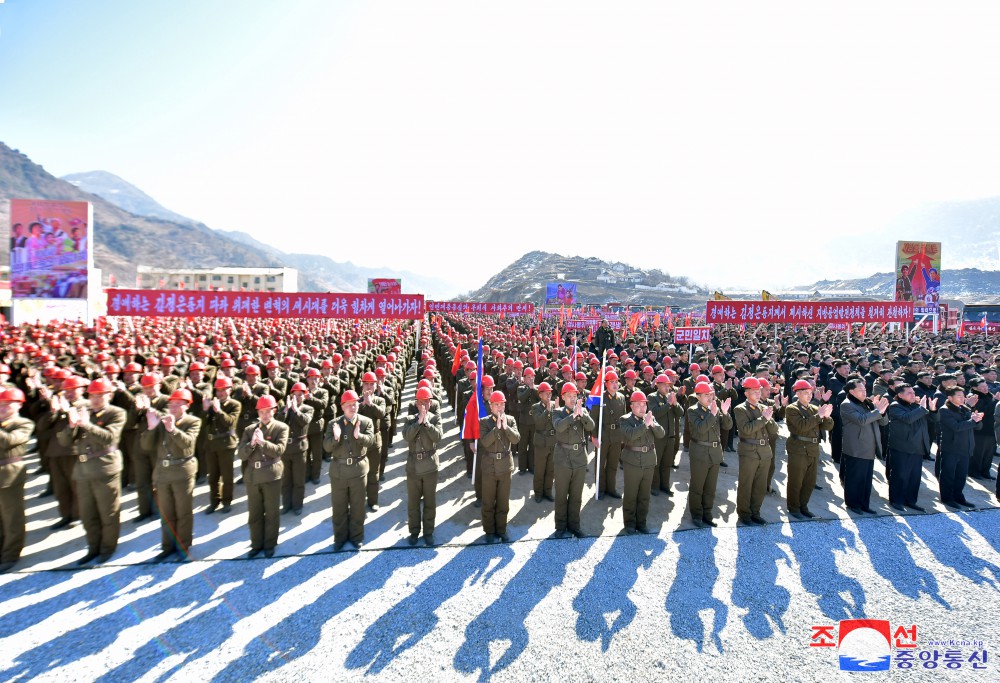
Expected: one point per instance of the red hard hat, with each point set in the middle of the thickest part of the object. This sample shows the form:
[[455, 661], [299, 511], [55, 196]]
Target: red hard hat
[[663, 379], [327, 363], [694, 368], [227, 363], [313, 372], [379, 373], [348, 397], [181, 395], [167, 360], [498, 397], [569, 388], [429, 374], [717, 368], [337, 358], [801, 385], [132, 367], [150, 380], [579, 376], [424, 394], [424, 383], [529, 371], [703, 388], [272, 365], [509, 362], [764, 384], [266, 401], [488, 381], [110, 368], [12, 395], [196, 366], [647, 370], [637, 396], [518, 365], [566, 368], [544, 386], [299, 386], [702, 378], [369, 377], [630, 374], [99, 386], [751, 383], [381, 359], [223, 383], [252, 370], [610, 377]]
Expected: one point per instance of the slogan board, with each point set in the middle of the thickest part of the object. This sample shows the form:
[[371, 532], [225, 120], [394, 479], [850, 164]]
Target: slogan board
[[807, 312], [692, 335], [918, 275], [560, 294], [385, 285]]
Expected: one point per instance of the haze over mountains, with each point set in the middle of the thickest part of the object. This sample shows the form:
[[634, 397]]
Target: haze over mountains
[[131, 228]]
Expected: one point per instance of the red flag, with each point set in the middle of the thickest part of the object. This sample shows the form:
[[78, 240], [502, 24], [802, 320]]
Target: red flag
[[535, 344], [470, 424], [656, 321], [687, 320], [456, 360], [864, 327], [557, 341], [590, 336]]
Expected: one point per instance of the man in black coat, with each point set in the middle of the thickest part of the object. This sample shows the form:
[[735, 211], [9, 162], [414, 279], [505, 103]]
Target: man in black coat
[[957, 422], [985, 443], [909, 442]]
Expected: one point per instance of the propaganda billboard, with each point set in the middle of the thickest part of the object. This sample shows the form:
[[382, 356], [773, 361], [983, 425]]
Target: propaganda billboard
[[918, 275], [50, 248], [560, 294], [385, 285]]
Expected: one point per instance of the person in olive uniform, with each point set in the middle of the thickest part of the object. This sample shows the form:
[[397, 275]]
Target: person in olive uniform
[[15, 431], [544, 435], [422, 432], [667, 411], [348, 439], [754, 422], [806, 424], [322, 398], [262, 446], [172, 436], [569, 456], [639, 431], [375, 409], [707, 419], [93, 435], [497, 436], [611, 444], [221, 415], [298, 415]]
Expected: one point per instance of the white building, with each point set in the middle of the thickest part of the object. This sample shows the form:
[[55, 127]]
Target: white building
[[228, 279]]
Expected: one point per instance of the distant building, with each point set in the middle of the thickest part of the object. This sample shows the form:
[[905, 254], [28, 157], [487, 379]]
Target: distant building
[[227, 279]]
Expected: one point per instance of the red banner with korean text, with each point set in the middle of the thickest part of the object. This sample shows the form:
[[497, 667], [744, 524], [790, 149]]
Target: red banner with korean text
[[615, 325], [488, 308], [153, 302], [807, 312]]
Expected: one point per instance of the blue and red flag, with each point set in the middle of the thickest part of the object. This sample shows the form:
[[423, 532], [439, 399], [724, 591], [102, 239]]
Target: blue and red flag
[[475, 409]]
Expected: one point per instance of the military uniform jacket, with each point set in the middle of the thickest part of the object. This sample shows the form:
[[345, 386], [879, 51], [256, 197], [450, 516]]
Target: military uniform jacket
[[706, 433], [14, 435], [755, 428], [667, 415], [639, 441], [264, 460], [614, 408], [497, 437], [804, 429], [571, 437], [375, 412], [349, 454], [175, 459], [543, 431], [319, 400], [95, 444], [422, 441], [157, 404], [298, 420], [221, 426], [526, 398]]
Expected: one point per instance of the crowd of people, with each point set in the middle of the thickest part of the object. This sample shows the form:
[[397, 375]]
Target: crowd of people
[[160, 405]]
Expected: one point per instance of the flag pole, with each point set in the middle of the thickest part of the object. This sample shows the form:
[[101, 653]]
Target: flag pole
[[600, 427]]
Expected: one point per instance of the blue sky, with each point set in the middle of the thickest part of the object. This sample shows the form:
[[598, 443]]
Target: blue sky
[[387, 133]]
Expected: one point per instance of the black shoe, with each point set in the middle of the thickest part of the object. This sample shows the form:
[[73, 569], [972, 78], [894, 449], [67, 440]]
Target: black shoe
[[239, 482], [142, 518], [675, 466], [796, 514], [807, 514], [915, 507], [103, 557], [698, 523], [855, 510], [164, 554], [315, 480], [373, 508], [490, 538], [745, 521], [549, 497], [226, 509], [927, 457], [253, 553], [578, 533], [478, 503], [327, 457], [338, 546], [61, 524], [212, 508], [643, 529], [613, 494], [381, 477], [990, 477], [969, 505], [200, 480], [723, 464], [269, 553], [297, 512], [670, 494], [286, 510], [897, 507], [6, 567], [709, 521], [504, 538], [185, 556], [757, 519], [522, 472], [818, 487], [654, 492], [46, 493], [868, 511], [952, 505], [86, 558], [357, 544], [429, 540], [412, 539], [629, 531], [538, 499], [560, 533]]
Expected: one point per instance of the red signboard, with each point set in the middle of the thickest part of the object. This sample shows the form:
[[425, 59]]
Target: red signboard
[[479, 307], [591, 324], [153, 302], [692, 335], [807, 312]]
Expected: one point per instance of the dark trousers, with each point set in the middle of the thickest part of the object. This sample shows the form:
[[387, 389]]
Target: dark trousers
[[262, 502], [176, 502], [982, 456], [347, 499], [384, 454], [421, 492], [99, 512], [12, 527], [496, 493], [954, 472], [293, 479], [857, 481], [142, 473], [61, 475], [904, 477], [314, 466], [610, 457], [665, 449], [220, 474], [837, 440], [544, 471], [569, 496]]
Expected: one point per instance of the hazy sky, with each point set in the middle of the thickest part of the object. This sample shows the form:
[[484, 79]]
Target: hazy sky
[[451, 137]]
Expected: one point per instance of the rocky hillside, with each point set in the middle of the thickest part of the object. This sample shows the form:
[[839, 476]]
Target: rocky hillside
[[969, 285]]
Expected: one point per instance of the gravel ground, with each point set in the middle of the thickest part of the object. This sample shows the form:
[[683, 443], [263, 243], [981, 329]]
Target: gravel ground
[[733, 604]]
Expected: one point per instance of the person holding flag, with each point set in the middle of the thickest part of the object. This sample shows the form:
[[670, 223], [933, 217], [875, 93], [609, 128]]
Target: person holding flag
[[572, 424], [497, 436]]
